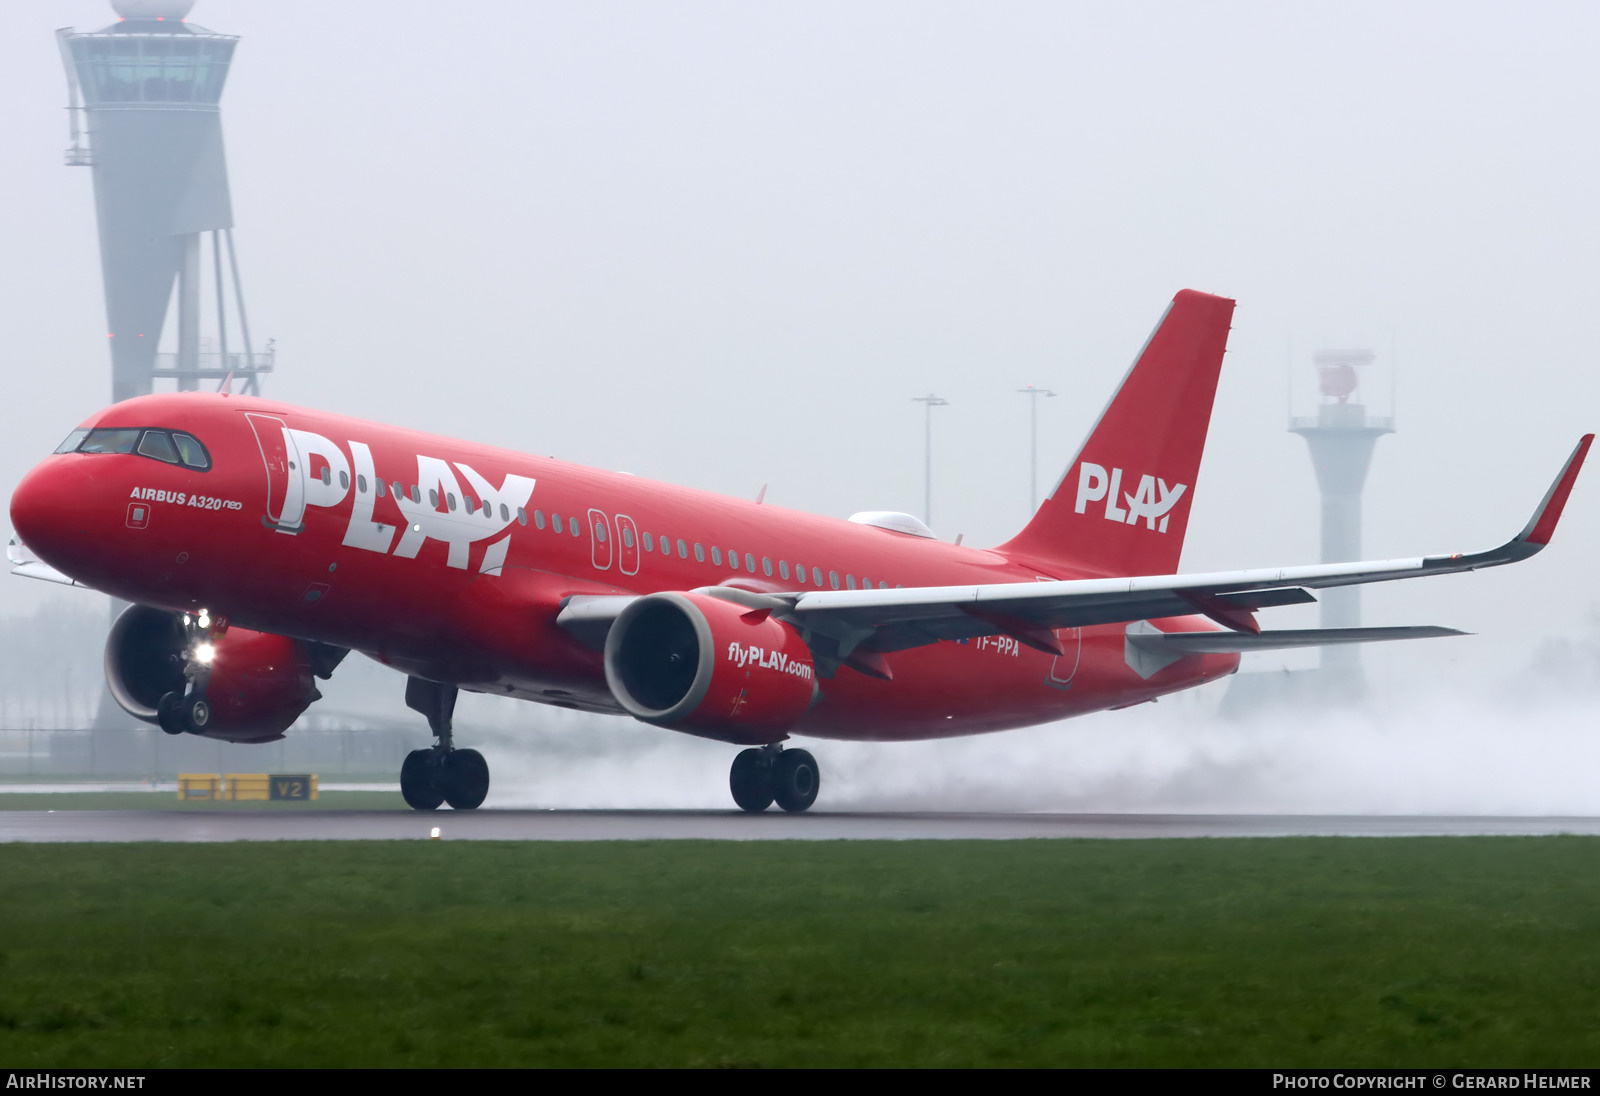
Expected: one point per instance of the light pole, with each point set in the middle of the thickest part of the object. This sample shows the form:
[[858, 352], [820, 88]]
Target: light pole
[[929, 402], [1033, 395]]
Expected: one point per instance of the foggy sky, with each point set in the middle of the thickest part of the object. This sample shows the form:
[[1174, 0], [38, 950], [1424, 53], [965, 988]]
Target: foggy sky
[[726, 244]]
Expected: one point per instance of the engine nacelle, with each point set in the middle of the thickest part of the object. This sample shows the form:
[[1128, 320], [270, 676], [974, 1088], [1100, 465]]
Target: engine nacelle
[[710, 667], [257, 683]]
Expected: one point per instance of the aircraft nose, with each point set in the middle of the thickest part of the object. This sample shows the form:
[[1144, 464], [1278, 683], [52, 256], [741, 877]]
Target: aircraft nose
[[42, 512]]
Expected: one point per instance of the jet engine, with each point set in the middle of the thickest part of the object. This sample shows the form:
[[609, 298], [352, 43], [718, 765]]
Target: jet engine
[[710, 667], [219, 682]]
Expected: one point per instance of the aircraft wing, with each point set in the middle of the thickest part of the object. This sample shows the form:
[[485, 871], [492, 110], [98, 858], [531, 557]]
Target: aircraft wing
[[855, 627], [891, 620], [28, 565]]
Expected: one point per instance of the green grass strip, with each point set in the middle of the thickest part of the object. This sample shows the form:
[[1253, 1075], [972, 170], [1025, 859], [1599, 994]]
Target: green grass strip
[[1423, 952]]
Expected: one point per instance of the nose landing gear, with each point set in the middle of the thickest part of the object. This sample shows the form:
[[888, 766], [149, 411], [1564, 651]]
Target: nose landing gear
[[772, 774], [441, 773], [188, 711]]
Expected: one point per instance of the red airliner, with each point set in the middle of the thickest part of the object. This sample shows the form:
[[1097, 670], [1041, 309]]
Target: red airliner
[[260, 543]]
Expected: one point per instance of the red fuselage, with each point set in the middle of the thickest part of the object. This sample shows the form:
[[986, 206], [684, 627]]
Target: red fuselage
[[455, 568]]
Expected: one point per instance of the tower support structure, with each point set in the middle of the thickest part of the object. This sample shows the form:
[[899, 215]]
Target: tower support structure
[[1341, 437]]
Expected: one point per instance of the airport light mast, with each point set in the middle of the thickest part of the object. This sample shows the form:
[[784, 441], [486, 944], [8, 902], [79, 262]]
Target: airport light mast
[[1033, 395], [143, 99], [1341, 437], [929, 402]]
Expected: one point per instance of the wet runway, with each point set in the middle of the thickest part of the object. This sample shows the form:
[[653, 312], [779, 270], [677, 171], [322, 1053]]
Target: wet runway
[[511, 825]]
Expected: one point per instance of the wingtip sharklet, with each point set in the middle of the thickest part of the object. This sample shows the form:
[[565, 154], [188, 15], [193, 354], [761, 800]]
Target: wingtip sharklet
[[1543, 523]]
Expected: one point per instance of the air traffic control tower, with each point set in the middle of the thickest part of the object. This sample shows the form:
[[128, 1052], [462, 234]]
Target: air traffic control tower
[[143, 100], [1341, 436]]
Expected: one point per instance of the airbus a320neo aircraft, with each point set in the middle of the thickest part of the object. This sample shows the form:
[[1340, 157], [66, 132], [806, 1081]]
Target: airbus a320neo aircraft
[[259, 544]]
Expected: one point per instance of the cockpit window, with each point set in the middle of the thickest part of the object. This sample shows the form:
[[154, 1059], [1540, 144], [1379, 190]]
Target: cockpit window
[[157, 444], [195, 456], [110, 441], [169, 447]]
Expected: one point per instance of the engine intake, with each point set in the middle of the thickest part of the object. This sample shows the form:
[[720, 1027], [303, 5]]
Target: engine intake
[[710, 667], [257, 684]]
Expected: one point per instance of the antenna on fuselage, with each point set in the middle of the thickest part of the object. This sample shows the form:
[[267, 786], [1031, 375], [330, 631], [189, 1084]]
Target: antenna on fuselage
[[226, 387], [761, 494]]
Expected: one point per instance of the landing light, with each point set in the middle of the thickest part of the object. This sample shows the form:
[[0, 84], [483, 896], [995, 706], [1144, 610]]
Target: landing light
[[205, 653], [204, 620]]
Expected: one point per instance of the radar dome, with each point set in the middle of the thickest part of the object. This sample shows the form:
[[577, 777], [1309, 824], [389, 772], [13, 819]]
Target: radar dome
[[152, 9]]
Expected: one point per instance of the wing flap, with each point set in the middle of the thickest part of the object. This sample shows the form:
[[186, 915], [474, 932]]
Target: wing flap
[[1194, 643]]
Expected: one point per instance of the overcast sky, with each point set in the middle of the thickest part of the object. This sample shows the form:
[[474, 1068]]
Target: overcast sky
[[726, 244]]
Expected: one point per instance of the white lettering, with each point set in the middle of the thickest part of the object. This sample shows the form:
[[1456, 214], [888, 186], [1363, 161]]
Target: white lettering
[[1091, 484], [1113, 511], [363, 532]]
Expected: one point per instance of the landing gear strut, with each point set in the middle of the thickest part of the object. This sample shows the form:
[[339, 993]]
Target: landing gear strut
[[771, 774], [189, 711], [441, 773]]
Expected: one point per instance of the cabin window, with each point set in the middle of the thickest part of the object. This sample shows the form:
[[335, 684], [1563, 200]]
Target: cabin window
[[666, 545], [766, 566], [379, 485], [572, 526], [416, 493], [750, 563], [600, 532], [833, 579], [850, 581], [699, 552], [433, 497], [783, 568], [555, 522], [883, 585], [361, 483], [193, 453], [716, 555], [74, 439], [505, 515], [649, 543], [155, 443], [110, 441], [522, 517], [327, 475], [800, 573], [450, 498], [816, 575], [344, 481], [627, 537], [683, 549], [733, 560]]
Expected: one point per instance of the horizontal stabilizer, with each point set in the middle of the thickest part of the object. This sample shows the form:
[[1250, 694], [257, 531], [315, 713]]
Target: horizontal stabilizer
[[1211, 643]]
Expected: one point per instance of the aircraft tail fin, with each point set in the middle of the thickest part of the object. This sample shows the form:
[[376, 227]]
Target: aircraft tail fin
[[1123, 504]]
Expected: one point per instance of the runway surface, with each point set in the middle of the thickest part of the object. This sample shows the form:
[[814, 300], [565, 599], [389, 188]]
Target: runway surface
[[506, 825]]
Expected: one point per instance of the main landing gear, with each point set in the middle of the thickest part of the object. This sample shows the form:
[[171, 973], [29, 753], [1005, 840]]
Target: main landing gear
[[441, 773], [771, 774]]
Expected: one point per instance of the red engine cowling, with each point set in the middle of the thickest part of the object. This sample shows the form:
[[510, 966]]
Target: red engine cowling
[[709, 667], [258, 683]]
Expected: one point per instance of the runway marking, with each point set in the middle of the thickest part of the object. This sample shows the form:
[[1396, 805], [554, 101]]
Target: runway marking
[[506, 825]]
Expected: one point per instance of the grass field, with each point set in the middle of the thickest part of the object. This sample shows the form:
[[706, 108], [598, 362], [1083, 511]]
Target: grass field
[[169, 801], [1286, 952]]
